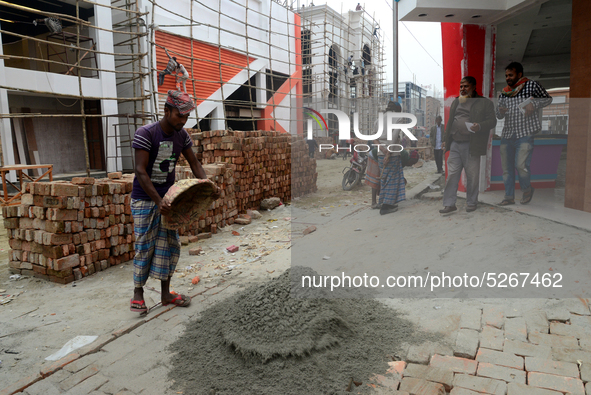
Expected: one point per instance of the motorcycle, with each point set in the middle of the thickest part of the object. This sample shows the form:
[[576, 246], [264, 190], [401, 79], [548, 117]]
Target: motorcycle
[[353, 174]]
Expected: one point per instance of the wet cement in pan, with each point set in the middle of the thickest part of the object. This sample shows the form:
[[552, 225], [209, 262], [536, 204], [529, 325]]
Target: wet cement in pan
[[264, 341]]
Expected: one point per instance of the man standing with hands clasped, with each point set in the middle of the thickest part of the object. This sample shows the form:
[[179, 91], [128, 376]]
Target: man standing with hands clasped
[[519, 103], [436, 137], [471, 118]]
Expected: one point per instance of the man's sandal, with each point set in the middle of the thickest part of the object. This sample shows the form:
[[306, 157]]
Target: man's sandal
[[180, 301], [507, 202], [526, 198], [142, 309]]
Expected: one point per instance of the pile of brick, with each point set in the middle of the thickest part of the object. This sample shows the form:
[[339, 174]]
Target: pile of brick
[[543, 352], [64, 231], [322, 140], [261, 162], [303, 168], [223, 211]]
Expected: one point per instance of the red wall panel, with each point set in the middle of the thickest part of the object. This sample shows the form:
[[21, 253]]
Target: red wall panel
[[207, 72]]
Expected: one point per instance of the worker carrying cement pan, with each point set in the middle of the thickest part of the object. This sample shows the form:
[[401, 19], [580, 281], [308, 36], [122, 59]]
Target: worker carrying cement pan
[[157, 148]]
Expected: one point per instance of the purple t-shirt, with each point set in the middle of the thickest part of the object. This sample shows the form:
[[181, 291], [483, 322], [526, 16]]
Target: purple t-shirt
[[164, 153]]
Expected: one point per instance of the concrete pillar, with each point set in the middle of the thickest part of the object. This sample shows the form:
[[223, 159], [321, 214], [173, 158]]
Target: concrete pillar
[[218, 121], [578, 162], [5, 128], [104, 43], [299, 102], [469, 50]]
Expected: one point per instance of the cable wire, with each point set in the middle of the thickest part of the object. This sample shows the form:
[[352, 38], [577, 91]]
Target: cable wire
[[413, 36]]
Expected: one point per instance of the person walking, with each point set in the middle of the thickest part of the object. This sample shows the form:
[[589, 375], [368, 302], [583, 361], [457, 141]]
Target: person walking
[[312, 145], [471, 119], [519, 103], [436, 138], [372, 173], [392, 186]]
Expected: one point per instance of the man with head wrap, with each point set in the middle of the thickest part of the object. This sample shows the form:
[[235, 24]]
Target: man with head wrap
[[158, 147]]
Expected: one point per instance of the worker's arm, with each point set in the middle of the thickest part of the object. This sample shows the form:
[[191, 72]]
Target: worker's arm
[[197, 169], [142, 158]]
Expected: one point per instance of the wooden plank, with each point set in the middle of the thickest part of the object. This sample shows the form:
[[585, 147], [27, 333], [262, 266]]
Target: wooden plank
[[31, 140], [23, 167], [20, 141]]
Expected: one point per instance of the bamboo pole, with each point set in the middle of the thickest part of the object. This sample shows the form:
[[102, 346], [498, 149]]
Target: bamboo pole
[[12, 88], [39, 115], [66, 17], [58, 44], [138, 13], [70, 65]]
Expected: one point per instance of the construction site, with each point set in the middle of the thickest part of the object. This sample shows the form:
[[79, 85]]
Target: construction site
[[79, 77], [89, 71]]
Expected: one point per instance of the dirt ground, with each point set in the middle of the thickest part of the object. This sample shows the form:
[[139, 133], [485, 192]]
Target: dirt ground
[[44, 316]]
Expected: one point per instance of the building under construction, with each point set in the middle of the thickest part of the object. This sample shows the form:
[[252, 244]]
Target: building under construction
[[78, 77]]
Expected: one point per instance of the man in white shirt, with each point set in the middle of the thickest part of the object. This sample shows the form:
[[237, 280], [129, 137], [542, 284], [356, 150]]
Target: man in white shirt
[[182, 79], [436, 137]]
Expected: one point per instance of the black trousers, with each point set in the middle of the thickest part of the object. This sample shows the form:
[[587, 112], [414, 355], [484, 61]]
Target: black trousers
[[439, 159]]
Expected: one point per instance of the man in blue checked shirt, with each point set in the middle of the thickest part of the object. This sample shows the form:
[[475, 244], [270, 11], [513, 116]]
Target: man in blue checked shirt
[[522, 122]]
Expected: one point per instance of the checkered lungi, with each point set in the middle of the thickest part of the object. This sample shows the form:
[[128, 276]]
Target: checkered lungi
[[392, 181], [372, 173], [157, 250]]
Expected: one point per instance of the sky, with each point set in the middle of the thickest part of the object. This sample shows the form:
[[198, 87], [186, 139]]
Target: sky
[[415, 63]]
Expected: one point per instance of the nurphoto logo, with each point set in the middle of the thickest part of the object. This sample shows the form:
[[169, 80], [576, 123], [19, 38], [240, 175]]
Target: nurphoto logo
[[392, 119]]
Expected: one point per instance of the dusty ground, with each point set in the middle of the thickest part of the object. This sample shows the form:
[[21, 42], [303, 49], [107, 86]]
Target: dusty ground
[[44, 316]]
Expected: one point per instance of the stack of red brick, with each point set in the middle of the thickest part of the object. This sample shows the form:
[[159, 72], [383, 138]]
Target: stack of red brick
[[303, 168], [322, 140], [223, 211], [64, 231], [261, 161]]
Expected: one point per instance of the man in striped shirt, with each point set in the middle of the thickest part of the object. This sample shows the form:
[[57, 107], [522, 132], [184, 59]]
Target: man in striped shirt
[[171, 68], [519, 104]]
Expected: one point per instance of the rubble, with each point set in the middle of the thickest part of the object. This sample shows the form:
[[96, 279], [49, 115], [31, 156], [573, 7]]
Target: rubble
[[309, 230], [271, 203]]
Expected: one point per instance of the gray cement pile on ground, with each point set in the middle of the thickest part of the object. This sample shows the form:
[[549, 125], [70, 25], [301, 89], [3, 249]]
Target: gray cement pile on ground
[[263, 341]]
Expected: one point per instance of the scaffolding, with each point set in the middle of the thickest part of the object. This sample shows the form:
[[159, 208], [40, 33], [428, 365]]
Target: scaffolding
[[249, 81], [73, 51], [343, 64]]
